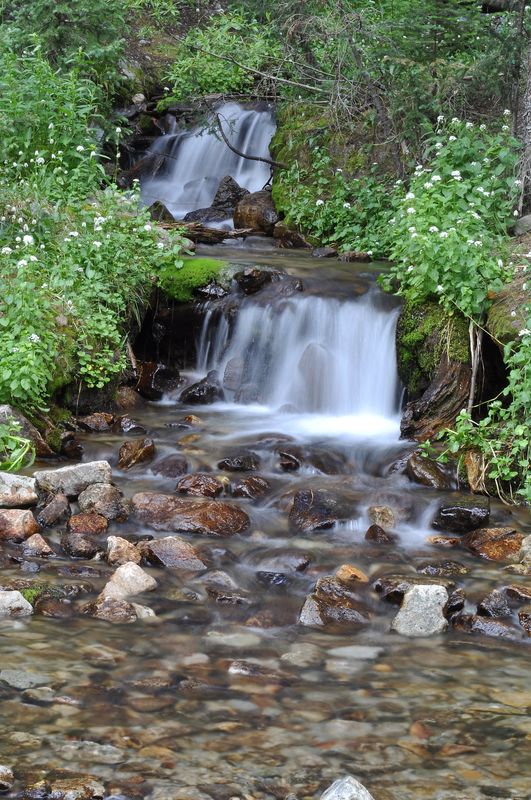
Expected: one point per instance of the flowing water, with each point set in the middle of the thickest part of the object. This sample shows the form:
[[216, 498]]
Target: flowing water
[[219, 700]]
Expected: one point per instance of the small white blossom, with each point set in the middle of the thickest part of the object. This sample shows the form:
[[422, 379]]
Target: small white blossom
[[410, 268], [505, 127], [160, 245], [469, 125], [74, 234], [428, 185], [515, 213], [440, 118], [482, 127], [414, 235], [33, 337], [438, 145], [6, 251], [410, 196], [96, 244], [410, 210], [455, 119], [440, 288], [80, 148], [443, 235], [319, 202], [513, 313], [339, 170], [148, 227], [524, 332], [346, 205], [507, 113], [452, 138], [118, 130], [33, 258], [436, 178], [412, 229], [39, 160], [50, 126], [22, 263], [434, 229], [28, 239], [455, 173]]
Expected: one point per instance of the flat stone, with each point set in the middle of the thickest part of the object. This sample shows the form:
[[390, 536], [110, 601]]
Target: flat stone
[[16, 525], [17, 491], [463, 515], [347, 788], [91, 524], [120, 551], [13, 604], [494, 544], [129, 579], [21, 679], [104, 499], [421, 612], [315, 510], [167, 513], [356, 651], [333, 603], [73, 479], [173, 552], [444, 568]]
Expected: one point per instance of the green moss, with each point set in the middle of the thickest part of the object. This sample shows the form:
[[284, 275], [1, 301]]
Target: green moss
[[34, 593], [507, 313], [181, 282], [425, 333]]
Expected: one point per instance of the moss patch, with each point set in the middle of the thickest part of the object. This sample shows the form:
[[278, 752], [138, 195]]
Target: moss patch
[[424, 334], [179, 283], [507, 313]]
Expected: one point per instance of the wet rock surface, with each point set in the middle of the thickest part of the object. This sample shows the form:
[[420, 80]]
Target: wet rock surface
[[465, 514], [496, 544], [199, 485], [72, 480], [166, 513], [17, 491]]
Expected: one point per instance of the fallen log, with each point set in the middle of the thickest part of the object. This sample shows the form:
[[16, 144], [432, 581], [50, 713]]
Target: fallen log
[[202, 234]]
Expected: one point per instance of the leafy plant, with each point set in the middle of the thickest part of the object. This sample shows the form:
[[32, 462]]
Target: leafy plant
[[16, 451]]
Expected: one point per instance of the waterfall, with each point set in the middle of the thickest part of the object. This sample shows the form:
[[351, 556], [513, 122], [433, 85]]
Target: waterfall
[[198, 159], [312, 355]]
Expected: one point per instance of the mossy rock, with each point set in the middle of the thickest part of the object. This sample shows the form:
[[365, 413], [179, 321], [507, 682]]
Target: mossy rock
[[180, 282], [425, 332], [506, 315]]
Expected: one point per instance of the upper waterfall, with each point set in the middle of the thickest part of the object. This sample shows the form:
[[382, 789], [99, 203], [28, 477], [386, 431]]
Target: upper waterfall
[[196, 160]]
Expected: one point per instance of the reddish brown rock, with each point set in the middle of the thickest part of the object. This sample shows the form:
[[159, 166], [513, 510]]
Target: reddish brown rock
[[16, 525], [167, 513], [171, 466], [104, 499], [377, 534], [314, 510], [427, 472], [332, 602], [240, 462], [36, 545], [93, 524], [56, 511], [99, 422], [494, 544], [136, 452], [174, 552], [256, 211], [200, 485], [80, 545], [350, 575], [252, 487], [111, 609]]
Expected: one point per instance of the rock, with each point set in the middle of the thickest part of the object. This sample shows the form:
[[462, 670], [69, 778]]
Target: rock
[[314, 510], [350, 575], [79, 545], [212, 291], [287, 237], [469, 623], [466, 514], [7, 778], [17, 524], [111, 609], [173, 552], [17, 491], [54, 608], [74, 479], [507, 314], [27, 430], [324, 252], [120, 551], [99, 422], [205, 392], [36, 545], [383, 516], [209, 214], [524, 618], [518, 594], [252, 279], [137, 452], [355, 256], [347, 788], [129, 579], [228, 194], [421, 612], [14, 604], [233, 374], [128, 425], [272, 578], [92, 524], [155, 379], [252, 487], [377, 534], [104, 499], [494, 544], [427, 472], [167, 513], [199, 485], [127, 399], [56, 511], [393, 587], [522, 225], [333, 602], [256, 211], [63, 785], [170, 466], [494, 605], [241, 462], [444, 568]]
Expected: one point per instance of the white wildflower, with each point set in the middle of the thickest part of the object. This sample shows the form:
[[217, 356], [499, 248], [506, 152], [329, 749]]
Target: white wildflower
[[74, 234], [440, 288], [513, 313], [6, 251], [443, 235], [22, 263], [452, 138], [455, 173], [412, 229], [524, 332], [469, 125], [346, 205], [28, 239], [39, 160], [96, 244], [455, 119], [148, 227], [438, 145], [428, 185], [410, 268], [160, 245], [440, 118], [482, 127], [515, 213], [436, 178], [434, 229], [118, 130], [410, 210], [507, 112], [33, 337], [505, 127], [410, 196], [319, 202]]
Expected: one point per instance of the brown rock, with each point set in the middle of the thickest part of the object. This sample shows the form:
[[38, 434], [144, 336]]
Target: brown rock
[[426, 471], [155, 379], [56, 511], [468, 623], [355, 256], [524, 617], [383, 516], [495, 544], [200, 485], [36, 545], [136, 452], [349, 574], [80, 545], [52, 607], [16, 525], [494, 605], [111, 609], [120, 551], [446, 568], [444, 541], [104, 499], [333, 603], [99, 422], [286, 237], [170, 466], [252, 487], [256, 211], [377, 534], [518, 594], [241, 462], [314, 510], [167, 513], [87, 523], [17, 491], [127, 399], [462, 514], [174, 552], [394, 587]]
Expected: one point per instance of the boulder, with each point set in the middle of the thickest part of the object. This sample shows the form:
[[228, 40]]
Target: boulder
[[256, 211], [204, 392], [74, 479], [173, 552], [56, 511], [17, 524], [79, 545], [324, 252], [383, 516], [333, 602], [13, 604], [155, 379], [136, 452], [427, 472], [104, 499], [98, 422], [228, 194], [464, 514], [347, 788], [170, 466], [17, 491], [27, 430], [240, 462], [120, 551], [421, 613], [36, 545], [495, 604], [494, 544], [92, 524], [206, 215], [167, 513], [507, 314], [199, 484], [129, 579]]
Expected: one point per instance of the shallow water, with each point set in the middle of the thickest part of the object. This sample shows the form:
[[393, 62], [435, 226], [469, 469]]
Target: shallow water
[[166, 708]]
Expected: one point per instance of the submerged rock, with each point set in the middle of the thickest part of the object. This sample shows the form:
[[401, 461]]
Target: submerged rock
[[7, 778], [333, 602], [16, 525], [469, 623], [173, 552], [136, 452], [347, 788], [17, 491], [252, 487], [167, 513], [495, 604], [241, 462], [463, 515], [524, 618], [170, 466], [315, 509], [74, 479], [421, 612], [494, 544], [377, 534], [204, 392], [98, 422], [199, 484], [111, 609]]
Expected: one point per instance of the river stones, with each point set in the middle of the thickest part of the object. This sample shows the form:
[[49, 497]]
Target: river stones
[[378, 535], [7, 778], [486, 626], [167, 513], [73, 479], [56, 511], [17, 491], [393, 587], [240, 462], [427, 472], [494, 544], [495, 604], [90, 523], [444, 568], [524, 618], [204, 392], [172, 466], [36, 545], [463, 515], [16, 525], [104, 499], [316, 509], [173, 552], [129, 579], [199, 484], [422, 612], [136, 452], [332, 602], [253, 487], [98, 422], [81, 545], [347, 788]]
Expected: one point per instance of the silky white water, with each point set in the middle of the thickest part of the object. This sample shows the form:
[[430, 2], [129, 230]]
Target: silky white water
[[198, 159]]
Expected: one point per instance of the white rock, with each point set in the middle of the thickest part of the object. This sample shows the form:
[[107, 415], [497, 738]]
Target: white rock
[[73, 479], [421, 612], [7, 778], [347, 788], [143, 612], [13, 604], [17, 491], [127, 580]]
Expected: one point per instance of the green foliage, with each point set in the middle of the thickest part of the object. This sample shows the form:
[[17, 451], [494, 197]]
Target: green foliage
[[162, 12], [229, 35], [16, 451], [179, 279]]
